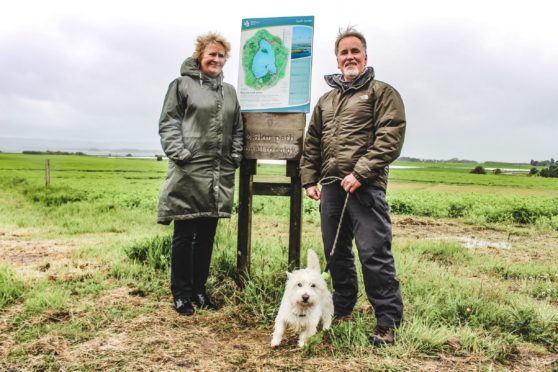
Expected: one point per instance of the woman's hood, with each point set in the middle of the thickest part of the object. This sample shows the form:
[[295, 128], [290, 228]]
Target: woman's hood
[[191, 67]]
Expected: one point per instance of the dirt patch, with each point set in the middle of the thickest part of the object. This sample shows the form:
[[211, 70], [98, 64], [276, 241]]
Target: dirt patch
[[474, 236], [19, 250]]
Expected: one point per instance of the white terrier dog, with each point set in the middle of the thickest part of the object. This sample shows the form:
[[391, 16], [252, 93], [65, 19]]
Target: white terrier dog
[[305, 302]]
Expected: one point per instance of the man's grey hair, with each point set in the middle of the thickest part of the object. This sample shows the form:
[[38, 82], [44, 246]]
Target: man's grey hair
[[347, 32]]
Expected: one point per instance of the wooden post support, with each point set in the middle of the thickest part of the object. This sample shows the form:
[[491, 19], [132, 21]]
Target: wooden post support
[[295, 227], [245, 192], [274, 136], [47, 173]]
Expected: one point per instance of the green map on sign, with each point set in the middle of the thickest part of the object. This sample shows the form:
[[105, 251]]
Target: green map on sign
[[264, 60]]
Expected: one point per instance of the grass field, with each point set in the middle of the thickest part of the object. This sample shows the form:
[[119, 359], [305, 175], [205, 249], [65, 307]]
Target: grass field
[[84, 274]]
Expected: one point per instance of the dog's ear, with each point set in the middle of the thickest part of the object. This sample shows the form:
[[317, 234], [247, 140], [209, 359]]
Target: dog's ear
[[289, 275], [313, 262]]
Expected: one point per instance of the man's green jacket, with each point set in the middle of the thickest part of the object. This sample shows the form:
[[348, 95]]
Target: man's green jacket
[[357, 128]]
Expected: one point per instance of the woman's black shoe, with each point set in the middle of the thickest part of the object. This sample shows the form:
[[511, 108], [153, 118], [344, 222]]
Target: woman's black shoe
[[183, 306], [203, 302]]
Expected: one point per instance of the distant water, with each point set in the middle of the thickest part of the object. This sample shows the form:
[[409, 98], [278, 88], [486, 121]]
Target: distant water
[[18, 145]]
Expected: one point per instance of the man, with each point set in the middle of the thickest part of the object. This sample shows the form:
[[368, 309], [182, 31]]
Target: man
[[356, 131]]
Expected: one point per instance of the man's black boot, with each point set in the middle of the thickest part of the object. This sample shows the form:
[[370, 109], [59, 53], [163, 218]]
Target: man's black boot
[[183, 306], [203, 301], [383, 336]]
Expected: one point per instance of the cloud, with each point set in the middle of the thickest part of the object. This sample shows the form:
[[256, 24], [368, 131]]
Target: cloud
[[478, 82]]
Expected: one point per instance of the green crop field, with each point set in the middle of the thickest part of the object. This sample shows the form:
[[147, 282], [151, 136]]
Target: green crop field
[[84, 274]]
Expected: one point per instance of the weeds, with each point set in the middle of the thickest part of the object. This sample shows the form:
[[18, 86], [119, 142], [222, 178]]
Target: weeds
[[456, 303], [545, 290], [447, 253], [11, 286], [154, 252], [526, 210], [44, 297], [528, 271], [348, 334]]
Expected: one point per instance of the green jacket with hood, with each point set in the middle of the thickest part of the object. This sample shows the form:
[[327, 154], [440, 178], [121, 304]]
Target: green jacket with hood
[[201, 133], [358, 127]]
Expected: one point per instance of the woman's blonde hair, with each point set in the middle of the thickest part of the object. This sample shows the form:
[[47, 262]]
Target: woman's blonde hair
[[204, 40]]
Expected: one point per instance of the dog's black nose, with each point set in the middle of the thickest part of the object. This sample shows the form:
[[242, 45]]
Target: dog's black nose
[[305, 297]]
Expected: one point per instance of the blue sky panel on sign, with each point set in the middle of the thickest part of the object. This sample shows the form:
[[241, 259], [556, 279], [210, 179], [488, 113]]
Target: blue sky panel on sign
[[301, 66]]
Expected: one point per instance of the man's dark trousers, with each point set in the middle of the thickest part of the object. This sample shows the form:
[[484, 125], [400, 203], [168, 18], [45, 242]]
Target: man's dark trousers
[[366, 219]]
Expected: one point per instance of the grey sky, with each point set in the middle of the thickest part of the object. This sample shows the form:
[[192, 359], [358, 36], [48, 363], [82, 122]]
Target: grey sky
[[478, 78]]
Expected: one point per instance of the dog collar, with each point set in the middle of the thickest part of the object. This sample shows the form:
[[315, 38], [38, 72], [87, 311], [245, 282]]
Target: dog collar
[[299, 315]]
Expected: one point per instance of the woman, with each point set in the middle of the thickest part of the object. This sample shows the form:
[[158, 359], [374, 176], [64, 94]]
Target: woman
[[201, 133]]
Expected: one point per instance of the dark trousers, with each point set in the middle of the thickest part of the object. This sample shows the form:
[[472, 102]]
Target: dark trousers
[[192, 245], [367, 220]]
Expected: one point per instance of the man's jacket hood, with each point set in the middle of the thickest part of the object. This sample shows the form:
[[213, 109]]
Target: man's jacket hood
[[336, 80]]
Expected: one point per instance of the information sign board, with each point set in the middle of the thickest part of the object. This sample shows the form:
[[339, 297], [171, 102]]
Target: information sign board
[[276, 64]]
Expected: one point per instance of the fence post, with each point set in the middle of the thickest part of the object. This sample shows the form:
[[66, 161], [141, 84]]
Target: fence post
[[295, 227], [47, 172], [245, 192]]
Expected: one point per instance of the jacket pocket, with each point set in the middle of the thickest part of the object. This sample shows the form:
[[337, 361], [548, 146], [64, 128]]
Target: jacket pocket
[[192, 144]]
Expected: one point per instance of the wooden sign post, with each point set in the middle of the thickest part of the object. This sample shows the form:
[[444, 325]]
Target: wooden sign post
[[273, 136]]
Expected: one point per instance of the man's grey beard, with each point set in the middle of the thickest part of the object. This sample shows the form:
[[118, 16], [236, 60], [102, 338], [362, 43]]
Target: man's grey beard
[[350, 74]]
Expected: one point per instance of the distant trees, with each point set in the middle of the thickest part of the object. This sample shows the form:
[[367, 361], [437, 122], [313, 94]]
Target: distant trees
[[497, 171], [551, 172], [48, 152], [457, 160], [543, 163], [452, 160], [478, 170]]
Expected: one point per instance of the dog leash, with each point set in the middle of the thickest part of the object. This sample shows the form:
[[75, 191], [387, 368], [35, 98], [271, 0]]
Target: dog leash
[[328, 181]]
